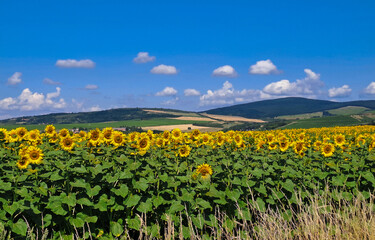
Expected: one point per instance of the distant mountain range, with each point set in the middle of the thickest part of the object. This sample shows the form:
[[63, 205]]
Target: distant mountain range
[[267, 109], [286, 106]]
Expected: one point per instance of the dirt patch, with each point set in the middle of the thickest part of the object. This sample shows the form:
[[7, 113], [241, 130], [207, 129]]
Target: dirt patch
[[232, 118], [182, 127], [195, 119]]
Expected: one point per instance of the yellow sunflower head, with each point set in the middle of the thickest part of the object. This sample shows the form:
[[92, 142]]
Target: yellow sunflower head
[[176, 134], [339, 140], [195, 134], [21, 132], [204, 170], [34, 135], [50, 130], [64, 133], [328, 149], [166, 135], [34, 155], [13, 136], [3, 134], [95, 137], [118, 138], [238, 139], [107, 134], [184, 151], [82, 134], [67, 143], [284, 145], [23, 162]]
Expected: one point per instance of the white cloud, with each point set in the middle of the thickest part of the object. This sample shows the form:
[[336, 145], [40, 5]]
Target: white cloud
[[228, 95], [143, 57], [263, 67], [191, 92], [72, 63], [29, 101], [167, 91], [225, 71], [370, 89], [164, 69], [170, 102], [308, 87], [91, 87], [15, 79], [94, 108], [343, 91], [50, 82]]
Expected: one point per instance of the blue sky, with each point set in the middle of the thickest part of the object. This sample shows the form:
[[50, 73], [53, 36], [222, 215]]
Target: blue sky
[[70, 56]]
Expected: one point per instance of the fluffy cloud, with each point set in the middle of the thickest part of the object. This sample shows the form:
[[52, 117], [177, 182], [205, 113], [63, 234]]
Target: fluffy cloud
[[191, 92], [228, 95], [225, 71], [167, 91], [91, 87], [50, 82], [29, 101], [343, 91], [15, 79], [370, 89], [72, 63], [164, 69], [307, 87], [143, 57], [263, 67]]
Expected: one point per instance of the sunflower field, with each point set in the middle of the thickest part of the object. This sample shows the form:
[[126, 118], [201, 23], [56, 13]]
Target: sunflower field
[[101, 182]]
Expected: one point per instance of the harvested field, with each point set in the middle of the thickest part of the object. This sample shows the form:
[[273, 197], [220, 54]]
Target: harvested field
[[232, 118], [195, 119], [182, 127]]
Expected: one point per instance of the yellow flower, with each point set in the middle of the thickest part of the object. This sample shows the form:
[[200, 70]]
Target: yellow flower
[[21, 132], [50, 130], [67, 143], [195, 134], [176, 134], [143, 145], [204, 170], [339, 140], [107, 134], [184, 151], [117, 138], [33, 136], [238, 140], [23, 162], [3, 134], [34, 155], [284, 145], [95, 137], [64, 133], [328, 149], [13, 136]]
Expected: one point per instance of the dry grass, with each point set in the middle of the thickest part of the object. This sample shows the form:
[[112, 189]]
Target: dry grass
[[231, 118], [320, 218]]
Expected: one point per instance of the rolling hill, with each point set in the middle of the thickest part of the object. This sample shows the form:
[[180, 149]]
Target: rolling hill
[[287, 106]]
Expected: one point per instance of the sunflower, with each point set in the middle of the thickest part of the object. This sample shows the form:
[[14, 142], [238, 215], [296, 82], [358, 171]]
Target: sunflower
[[50, 130], [67, 143], [34, 155], [21, 132], [204, 170], [339, 140], [195, 134], [117, 138], [299, 147], [143, 145], [176, 134], [220, 140], [23, 162], [159, 142], [82, 134], [95, 136], [284, 145], [54, 138], [184, 151], [107, 134], [205, 138], [260, 144], [64, 133], [3, 134], [272, 145], [238, 140], [166, 134], [34, 136], [328, 149], [133, 136], [13, 136]]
